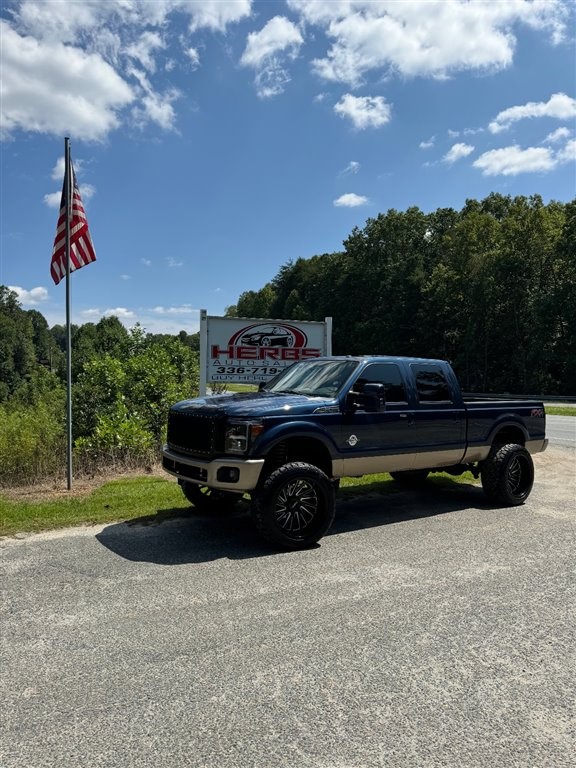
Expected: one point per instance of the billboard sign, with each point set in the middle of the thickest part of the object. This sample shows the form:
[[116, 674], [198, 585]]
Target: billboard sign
[[249, 351]]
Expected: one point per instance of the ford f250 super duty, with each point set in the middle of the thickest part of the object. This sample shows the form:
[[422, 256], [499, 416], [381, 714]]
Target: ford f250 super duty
[[319, 420]]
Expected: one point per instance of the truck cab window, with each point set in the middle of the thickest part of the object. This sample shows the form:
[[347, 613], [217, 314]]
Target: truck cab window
[[431, 383], [387, 374]]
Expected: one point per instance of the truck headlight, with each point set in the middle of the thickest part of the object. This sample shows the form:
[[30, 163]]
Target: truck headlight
[[239, 435]]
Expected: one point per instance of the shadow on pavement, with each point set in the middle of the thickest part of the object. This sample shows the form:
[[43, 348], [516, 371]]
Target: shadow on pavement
[[173, 537]]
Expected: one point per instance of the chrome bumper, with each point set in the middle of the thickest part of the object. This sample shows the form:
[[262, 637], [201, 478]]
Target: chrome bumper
[[211, 473]]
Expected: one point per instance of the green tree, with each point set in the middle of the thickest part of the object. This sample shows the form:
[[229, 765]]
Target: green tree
[[17, 354]]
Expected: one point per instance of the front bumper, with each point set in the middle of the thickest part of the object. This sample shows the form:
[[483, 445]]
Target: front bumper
[[216, 473]]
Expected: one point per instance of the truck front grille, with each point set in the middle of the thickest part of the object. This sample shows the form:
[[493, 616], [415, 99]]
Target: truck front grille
[[196, 434]]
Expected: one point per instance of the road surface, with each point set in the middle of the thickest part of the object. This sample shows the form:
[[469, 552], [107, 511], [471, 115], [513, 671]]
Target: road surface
[[426, 631]]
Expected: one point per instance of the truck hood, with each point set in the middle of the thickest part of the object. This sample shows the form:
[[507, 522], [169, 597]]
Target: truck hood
[[254, 404]]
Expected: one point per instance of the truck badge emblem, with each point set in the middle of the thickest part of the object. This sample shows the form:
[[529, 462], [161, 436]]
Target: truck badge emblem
[[352, 440]]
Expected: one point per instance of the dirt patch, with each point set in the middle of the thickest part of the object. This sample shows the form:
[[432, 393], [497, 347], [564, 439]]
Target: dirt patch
[[81, 487]]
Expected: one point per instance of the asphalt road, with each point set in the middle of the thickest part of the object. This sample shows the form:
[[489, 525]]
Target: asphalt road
[[561, 430], [427, 630]]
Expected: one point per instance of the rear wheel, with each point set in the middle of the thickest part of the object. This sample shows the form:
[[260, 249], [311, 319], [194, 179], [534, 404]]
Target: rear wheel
[[294, 506], [209, 500], [508, 474]]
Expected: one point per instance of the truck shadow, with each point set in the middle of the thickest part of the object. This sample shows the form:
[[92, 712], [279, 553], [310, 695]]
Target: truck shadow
[[176, 536]]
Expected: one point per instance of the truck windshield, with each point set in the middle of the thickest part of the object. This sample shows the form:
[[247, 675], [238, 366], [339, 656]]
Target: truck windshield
[[324, 378]]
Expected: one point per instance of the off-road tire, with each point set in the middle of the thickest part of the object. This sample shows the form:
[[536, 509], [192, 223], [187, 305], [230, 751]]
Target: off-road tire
[[411, 478], [294, 505], [507, 475], [209, 500]]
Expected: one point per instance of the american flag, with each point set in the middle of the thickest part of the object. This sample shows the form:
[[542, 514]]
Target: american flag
[[81, 247]]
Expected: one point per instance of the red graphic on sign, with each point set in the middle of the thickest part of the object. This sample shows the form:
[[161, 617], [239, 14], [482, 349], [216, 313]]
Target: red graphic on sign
[[261, 341], [267, 335]]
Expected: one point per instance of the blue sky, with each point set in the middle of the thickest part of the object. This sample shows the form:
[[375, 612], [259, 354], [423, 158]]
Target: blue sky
[[213, 141]]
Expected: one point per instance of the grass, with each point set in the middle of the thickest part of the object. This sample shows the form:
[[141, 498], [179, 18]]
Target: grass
[[561, 410], [138, 497], [123, 499]]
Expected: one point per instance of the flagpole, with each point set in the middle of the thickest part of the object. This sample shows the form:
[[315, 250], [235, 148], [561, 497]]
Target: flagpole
[[68, 186]]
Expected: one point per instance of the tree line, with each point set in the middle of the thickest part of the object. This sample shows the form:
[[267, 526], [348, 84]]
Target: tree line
[[491, 287], [123, 384]]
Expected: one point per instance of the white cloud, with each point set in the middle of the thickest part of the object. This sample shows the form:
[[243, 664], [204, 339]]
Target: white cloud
[[125, 277], [350, 200], [558, 135], [266, 52], [30, 298], [279, 34], [568, 153], [143, 49], [352, 168], [146, 262], [457, 152], [364, 111], [434, 38], [559, 106], [427, 144], [214, 14], [119, 312], [50, 88], [271, 80], [65, 64], [172, 262], [511, 161], [58, 170], [186, 309], [194, 57], [53, 199]]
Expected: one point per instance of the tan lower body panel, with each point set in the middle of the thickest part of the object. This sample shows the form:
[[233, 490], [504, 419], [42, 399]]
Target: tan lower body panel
[[371, 465]]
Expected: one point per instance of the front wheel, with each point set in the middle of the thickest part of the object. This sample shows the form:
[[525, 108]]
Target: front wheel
[[209, 500], [294, 506], [508, 475]]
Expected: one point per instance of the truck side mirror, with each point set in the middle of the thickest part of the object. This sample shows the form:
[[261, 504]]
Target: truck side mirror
[[374, 398]]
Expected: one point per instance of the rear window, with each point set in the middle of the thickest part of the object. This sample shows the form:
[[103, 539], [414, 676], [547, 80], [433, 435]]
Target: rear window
[[431, 383]]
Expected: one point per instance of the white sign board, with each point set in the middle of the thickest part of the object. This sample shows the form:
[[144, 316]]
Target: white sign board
[[249, 351]]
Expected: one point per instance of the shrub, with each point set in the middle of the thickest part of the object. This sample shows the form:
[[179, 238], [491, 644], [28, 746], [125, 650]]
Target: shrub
[[32, 443], [118, 440]]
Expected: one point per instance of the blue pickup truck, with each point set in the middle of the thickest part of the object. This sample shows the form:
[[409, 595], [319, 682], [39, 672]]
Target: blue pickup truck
[[288, 444]]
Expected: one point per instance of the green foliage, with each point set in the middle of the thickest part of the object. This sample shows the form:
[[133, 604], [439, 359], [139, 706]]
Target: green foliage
[[492, 288], [32, 442], [117, 438], [155, 379], [17, 358]]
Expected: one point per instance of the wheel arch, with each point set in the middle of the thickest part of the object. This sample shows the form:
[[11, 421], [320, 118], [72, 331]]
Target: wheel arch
[[510, 432], [304, 448]]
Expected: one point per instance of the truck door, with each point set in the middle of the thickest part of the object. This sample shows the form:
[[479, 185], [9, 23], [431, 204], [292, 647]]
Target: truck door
[[378, 442], [439, 420]]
